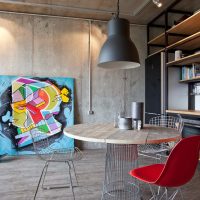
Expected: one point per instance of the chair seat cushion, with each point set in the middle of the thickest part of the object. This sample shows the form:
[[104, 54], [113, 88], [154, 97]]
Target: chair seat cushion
[[148, 174]]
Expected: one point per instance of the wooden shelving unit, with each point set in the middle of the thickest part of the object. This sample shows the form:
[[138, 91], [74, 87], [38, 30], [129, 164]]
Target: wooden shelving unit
[[160, 39], [188, 26], [191, 28], [159, 51], [188, 43], [185, 35], [194, 58], [184, 112], [190, 80]]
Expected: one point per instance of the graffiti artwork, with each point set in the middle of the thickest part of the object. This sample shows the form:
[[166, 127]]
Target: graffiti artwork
[[29, 105]]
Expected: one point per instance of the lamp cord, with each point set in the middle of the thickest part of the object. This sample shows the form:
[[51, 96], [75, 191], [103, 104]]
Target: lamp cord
[[117, 8]]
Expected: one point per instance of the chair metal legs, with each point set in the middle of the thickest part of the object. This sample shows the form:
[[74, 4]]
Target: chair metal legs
[[159, 196], [45, 166], [74, 170], [71, 184], [48, 187], [45, 172]]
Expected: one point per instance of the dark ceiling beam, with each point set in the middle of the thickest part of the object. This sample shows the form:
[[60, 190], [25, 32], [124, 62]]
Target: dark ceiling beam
[[180, 12]]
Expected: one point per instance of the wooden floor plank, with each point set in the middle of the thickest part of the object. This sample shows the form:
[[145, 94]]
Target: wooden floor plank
[[19, 177]]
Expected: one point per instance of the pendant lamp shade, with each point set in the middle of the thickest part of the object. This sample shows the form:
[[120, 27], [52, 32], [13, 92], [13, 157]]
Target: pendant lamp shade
[[118, 52]]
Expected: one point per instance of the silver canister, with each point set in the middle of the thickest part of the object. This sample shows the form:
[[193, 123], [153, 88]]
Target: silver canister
[[136, 124], [125, 123], [138, 112]]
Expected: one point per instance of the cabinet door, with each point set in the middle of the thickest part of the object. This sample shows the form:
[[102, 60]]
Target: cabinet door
[[152, 86]]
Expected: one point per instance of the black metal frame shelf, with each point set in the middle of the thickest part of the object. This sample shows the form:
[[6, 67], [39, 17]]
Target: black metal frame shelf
[[174, 38], [166, 35]]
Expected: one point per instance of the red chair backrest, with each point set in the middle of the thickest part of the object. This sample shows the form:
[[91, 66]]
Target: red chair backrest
[[181, 163]]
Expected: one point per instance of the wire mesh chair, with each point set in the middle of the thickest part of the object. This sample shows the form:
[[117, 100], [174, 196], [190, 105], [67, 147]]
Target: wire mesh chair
[[156, 151], [43, 149]]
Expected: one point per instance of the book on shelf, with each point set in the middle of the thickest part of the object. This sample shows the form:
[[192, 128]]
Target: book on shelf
[[190, 72]]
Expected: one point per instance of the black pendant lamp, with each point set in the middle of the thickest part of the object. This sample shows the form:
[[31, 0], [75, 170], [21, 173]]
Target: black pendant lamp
[[118, 52]]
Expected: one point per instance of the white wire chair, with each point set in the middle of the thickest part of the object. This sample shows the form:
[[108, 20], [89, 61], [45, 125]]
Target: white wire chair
[[156, 151], [43, 149]]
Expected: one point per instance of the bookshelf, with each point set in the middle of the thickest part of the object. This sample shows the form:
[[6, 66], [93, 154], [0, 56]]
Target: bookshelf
[[159, 51], [188, 60], [188, 26], [160, 39], [191, 80], [184, 112], [189, 43], [184, 36]]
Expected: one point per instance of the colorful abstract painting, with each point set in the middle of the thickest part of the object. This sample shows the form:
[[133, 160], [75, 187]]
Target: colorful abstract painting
[[32, 104]]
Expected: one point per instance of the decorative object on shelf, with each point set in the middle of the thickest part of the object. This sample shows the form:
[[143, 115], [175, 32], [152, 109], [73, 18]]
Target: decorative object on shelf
[[178, 54], [118, 52], [158, 3], [138, 114]]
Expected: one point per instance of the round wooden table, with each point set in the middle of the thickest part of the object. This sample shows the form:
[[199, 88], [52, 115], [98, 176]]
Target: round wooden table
[[121, 154]]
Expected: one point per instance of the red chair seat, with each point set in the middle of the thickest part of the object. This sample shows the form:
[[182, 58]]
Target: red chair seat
[[178, 169], [148, 174]]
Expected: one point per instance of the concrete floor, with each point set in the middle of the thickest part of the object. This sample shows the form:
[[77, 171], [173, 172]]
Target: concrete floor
[[19, 177]]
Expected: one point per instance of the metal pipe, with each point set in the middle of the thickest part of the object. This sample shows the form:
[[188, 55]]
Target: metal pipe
[[148, 36], [90, 111], [166, 60]]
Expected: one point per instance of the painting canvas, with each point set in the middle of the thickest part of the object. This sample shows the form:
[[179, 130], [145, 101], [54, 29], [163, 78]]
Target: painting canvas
[[34, 104]]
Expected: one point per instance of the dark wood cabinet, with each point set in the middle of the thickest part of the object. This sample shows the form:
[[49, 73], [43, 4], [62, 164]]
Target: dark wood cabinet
[[152, 86]]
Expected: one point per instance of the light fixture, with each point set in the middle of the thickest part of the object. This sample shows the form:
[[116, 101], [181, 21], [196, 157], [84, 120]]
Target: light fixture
[[118, 52], [157, 3]]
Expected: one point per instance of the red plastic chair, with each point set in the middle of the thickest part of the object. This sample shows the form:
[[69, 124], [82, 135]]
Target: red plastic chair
[[178, 170]]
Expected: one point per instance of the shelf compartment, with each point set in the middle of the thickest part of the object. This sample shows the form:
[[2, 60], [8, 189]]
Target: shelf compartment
[[188, 43], [159, 51], [184, 112], [194, 58], [188, 27], [160, 39]]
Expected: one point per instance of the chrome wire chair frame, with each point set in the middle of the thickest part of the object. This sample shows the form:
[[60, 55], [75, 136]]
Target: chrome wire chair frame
[[165, 194], [118, 184], [158, 151], [42, 148]]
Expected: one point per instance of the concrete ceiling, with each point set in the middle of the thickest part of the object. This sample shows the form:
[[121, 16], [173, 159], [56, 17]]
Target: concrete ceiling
[[137, 11]]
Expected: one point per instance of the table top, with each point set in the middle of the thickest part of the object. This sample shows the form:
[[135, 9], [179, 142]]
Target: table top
[[106, 133]]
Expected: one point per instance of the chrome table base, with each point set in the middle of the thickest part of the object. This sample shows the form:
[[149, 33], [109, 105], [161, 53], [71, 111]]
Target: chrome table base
[[118, 184]]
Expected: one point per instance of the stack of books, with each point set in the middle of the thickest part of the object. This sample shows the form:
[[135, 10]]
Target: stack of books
[[190, 72]]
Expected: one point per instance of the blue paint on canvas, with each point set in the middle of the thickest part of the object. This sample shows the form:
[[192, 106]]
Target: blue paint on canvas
[[34, 104]]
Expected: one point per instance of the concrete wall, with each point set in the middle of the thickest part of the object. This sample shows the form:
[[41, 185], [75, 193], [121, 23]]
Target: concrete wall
[[49, 46]]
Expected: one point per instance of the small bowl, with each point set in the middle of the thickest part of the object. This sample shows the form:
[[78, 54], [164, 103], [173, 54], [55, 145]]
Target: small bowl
[[125, 123]]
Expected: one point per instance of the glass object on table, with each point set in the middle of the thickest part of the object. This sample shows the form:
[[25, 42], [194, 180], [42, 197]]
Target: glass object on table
[[116, 118]]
